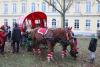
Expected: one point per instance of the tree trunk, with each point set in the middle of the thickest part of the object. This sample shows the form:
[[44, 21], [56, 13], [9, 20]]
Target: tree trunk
[[63, 20], [63, 14]]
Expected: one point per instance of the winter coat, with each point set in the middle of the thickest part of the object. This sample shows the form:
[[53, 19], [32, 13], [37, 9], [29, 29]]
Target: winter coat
[[2, 37], [93, 45], [16, 34]]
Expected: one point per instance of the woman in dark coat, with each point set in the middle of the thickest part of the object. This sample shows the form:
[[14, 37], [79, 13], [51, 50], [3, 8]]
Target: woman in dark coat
[[16, 36]]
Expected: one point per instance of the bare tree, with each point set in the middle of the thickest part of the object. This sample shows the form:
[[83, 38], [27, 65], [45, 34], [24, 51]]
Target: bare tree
[[98, 1], [62, 7]]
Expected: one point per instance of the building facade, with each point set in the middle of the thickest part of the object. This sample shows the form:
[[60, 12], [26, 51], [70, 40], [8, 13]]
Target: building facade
[[83, 16]]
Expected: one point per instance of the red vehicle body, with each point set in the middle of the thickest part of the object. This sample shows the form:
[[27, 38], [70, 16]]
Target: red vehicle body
[[33, 17]]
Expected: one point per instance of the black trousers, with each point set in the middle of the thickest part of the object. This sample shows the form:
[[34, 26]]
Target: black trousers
[[2, 48], [15, 45]]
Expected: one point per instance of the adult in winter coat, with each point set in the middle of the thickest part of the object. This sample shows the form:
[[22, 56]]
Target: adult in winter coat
[[16, 37], [92, 48], [2, 40]]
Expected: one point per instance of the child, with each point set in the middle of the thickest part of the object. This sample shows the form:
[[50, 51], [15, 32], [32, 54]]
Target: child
[[92, 48]]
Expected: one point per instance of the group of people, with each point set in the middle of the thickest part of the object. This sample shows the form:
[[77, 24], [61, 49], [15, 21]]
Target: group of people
[[15, 38], [4, 31]]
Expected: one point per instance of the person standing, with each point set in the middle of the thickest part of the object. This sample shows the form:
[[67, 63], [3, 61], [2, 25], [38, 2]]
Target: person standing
[[2, 40], [9, 34], [16, 38], [5, 28], [92, 48]]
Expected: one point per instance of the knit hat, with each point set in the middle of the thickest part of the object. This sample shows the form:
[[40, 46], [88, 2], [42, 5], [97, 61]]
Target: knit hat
[[93, 36]]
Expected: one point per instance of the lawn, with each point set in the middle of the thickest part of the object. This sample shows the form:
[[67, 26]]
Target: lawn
[[27, 59]]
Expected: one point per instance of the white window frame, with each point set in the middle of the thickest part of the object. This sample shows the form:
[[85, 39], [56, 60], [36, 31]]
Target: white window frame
[[98, 24], [23, 7], [53, 23], [88, 7], [43, 7], [76, 24], [66, 23], [88, 24], [33, 7], [14, 21], [98, 7], [5, 21], [5, 8], [53, 9], [77, 7], [14, 8], [23, 0]]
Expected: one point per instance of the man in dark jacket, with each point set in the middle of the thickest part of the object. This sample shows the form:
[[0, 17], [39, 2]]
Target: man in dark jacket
[[92, 48], [16, 36]]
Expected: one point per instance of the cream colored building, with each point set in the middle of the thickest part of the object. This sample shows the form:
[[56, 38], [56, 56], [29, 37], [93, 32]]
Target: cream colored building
[[82, 16]]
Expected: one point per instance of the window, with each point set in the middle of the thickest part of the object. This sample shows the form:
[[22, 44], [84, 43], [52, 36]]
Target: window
[[5, 8], [98, 24], [87, 24], [23, 0], [76, 24], [14, 0], [53, 9], [5, 21], [53, 23], [77, 7], [14, 7], [98, 7], [66, 23], [88, 7], [23, 7], [43, 7], [14, 21], [33, 7]]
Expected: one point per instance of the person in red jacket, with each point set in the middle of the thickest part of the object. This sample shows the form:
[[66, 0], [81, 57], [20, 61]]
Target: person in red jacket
[[2, 40]]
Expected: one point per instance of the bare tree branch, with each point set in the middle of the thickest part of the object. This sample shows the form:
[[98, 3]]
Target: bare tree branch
[[98, 1], [53, 6], [60, 5], [69, 5]]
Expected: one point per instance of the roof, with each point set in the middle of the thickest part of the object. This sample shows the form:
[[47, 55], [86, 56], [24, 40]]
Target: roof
[[36, 16]]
